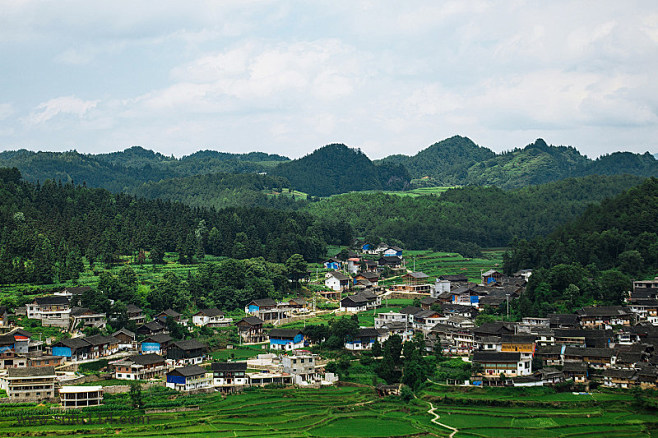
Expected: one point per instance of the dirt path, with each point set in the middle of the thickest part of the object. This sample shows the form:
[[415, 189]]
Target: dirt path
[[435, 420]]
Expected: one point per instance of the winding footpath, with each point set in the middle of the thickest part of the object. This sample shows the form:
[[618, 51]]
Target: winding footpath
[[435, 420]]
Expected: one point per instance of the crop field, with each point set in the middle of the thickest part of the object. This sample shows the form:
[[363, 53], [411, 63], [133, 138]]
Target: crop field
[[337, 412], [421, 191], [327, 412], [287, 192], [435, 264]]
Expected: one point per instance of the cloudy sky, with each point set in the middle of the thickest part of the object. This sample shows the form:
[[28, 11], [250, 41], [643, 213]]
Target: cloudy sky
[[288, 77]]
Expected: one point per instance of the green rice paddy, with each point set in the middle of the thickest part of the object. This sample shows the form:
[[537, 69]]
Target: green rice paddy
[[343, 412]]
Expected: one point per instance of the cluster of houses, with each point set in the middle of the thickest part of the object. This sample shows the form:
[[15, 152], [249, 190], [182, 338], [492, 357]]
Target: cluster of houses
[[61, 310], [361, 269], [609, 345], [298, 367], [34, 370]]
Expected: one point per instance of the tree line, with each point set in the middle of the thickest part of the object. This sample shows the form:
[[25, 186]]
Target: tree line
[[465, 219], [592, 258], [47, 229]]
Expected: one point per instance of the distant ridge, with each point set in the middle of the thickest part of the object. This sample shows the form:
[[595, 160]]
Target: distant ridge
[[336, 168], [459, 161], [120, 171]]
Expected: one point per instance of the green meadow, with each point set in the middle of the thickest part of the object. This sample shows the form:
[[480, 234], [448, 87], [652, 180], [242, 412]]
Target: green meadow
[[420, 191]]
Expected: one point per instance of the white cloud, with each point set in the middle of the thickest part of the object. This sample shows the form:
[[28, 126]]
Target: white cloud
[[6, 110], [258, 75], [60, 105]]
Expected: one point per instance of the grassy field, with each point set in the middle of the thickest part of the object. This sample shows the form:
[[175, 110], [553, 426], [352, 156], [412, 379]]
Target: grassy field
[[287, 192], [240, 352], [435, 264], [342, 412], [421, 191]]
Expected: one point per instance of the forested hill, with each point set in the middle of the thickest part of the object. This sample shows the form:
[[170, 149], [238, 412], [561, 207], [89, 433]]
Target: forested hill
[[593, 258], [220, 190], [332, 169], [459, 161], [465, 219], [445, 163], [336, 169], [46, 228], [119, 171], [620, 232]]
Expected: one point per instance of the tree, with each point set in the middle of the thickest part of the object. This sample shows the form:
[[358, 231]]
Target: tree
[[344, 329], [119, 315], [613, 285], [316, 333], [631, 262], [438, 348], [176, 330], [343, 254], [376, 349], [95, 300], [296, 268], [136, 395], [387, 370], [157, 255], [74, 264], [169, 292], [201, 238], [393, 348], [414, 374]]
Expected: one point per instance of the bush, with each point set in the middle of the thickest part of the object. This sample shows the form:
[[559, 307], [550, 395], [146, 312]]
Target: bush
[[93, 367], [366, 360], [406, 394]]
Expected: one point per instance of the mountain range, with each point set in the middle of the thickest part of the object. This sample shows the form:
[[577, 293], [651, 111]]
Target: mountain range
[[334, 168], [459, 161]]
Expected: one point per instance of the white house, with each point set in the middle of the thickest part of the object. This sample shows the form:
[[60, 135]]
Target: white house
[[511, 364], [337, 281], [189, 378], [228, 375], [211, 318], [51, 310], [365, 338]]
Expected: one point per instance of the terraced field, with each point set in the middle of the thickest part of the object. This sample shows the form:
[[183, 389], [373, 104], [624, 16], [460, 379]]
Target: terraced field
[[329, 412], [435, 264], [349, 412]]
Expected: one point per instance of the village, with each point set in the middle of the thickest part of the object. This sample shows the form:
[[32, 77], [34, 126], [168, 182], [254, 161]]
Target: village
[[612, 346]]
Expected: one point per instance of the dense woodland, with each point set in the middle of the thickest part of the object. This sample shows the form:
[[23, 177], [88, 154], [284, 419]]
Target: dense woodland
[[465, 219], [220, 190], [444, 163], [129, 169], [46, 228], [594, 257], [338, 169], [330, 170]]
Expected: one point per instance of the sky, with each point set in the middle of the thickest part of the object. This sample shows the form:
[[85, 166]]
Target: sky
[[288, 77]]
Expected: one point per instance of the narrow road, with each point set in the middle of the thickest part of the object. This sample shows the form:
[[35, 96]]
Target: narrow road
[[435, 420]]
